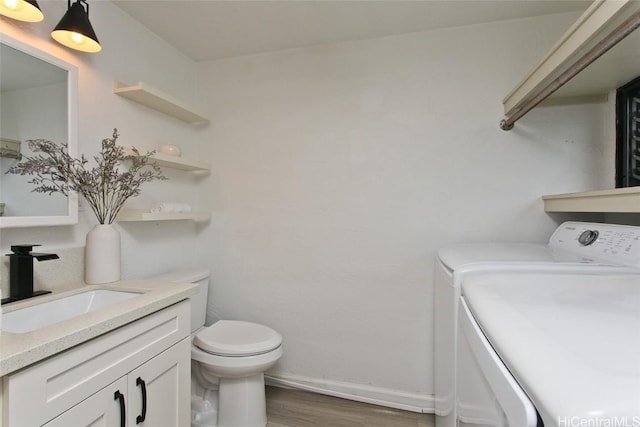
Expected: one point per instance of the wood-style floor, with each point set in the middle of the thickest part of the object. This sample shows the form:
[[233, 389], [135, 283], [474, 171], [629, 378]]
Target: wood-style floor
[[295, 408]]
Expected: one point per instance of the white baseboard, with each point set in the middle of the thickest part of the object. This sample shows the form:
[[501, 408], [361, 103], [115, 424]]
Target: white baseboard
[[359, 392]]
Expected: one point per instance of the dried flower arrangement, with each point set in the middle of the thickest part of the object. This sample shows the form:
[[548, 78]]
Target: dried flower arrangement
[[105, 187]]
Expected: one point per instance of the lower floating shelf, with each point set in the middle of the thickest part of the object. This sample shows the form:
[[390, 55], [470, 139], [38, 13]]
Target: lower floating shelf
[[144, 215], [622, 200]]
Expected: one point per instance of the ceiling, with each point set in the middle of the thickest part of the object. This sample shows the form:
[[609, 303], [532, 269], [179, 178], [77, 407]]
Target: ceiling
[[207, 30]]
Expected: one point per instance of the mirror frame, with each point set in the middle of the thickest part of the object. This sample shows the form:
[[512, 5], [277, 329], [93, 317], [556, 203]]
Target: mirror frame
[[72, 137]]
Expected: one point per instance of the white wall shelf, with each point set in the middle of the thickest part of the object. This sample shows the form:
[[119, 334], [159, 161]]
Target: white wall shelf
[[150, 97], [131, 215], [596, 27], [617, 200], [10, 148], [174, 162]]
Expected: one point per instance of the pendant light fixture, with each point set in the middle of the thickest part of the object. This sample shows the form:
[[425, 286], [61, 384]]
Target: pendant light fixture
[[74, 29], [22, 10]]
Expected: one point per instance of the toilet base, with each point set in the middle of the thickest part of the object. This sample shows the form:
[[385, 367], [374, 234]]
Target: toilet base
[[203, 413], [241, 402]]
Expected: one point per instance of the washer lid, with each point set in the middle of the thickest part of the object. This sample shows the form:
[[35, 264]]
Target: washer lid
[[460, 255], [237, 338]]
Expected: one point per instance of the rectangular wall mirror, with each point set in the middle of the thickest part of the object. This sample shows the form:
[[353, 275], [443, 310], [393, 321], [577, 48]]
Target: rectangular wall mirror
[[38, 100]]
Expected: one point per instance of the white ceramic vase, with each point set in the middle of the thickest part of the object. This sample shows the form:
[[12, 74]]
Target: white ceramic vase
[[102, 255]]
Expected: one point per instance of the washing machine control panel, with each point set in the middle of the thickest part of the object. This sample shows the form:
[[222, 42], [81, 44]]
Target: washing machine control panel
[[610, 243]]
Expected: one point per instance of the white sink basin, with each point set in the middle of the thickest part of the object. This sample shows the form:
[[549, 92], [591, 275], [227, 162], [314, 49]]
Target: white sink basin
[[40, 315]]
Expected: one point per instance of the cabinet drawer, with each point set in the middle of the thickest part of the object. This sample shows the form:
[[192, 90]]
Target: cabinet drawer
[[40, 392]]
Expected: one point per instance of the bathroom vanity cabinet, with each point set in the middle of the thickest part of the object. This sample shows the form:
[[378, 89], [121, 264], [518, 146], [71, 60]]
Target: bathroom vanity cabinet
[[138, 374]]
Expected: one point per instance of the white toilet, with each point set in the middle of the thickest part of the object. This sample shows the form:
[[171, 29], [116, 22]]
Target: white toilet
[[228, 361]]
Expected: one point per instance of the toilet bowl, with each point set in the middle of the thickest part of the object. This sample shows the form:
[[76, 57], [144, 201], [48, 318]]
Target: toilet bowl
[[228, 361], [236, 354]]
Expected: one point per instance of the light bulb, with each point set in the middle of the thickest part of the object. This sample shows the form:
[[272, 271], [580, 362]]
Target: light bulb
[[76, 38], [12, 4], [21, 10]]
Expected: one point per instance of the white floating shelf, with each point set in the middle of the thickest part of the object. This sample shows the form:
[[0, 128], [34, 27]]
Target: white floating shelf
[[616, 200], [150, 97], [127, 215], [174, 162], [10, 148]]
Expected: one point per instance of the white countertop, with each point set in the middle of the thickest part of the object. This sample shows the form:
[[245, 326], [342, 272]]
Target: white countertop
[[571, 341], [20, 350]]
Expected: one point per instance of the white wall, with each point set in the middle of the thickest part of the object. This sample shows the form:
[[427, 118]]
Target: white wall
[[130, 53], [340, 169]]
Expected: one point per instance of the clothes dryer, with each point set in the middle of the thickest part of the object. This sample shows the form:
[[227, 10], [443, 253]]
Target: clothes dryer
[[552, 349], [574, 247]]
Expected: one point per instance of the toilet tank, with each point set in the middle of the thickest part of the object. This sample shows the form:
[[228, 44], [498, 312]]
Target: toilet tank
[[198, 301]]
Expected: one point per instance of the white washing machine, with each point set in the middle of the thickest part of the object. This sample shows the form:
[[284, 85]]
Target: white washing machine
[[574, 247], [558, 350]]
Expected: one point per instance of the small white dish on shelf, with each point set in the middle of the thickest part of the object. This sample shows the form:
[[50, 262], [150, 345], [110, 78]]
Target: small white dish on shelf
[[170, 149]]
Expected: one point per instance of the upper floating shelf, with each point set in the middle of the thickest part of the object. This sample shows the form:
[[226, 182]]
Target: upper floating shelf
[[600, 52], [150, 97], [616, 200]]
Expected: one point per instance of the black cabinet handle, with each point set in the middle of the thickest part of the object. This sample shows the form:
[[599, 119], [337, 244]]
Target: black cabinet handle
[[140, 418], [119, 396]]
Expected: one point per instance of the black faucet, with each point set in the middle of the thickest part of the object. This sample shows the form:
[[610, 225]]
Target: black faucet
[[21, 272]]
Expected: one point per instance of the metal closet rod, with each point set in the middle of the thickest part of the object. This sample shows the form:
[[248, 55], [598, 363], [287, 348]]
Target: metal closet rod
[[610, 40]]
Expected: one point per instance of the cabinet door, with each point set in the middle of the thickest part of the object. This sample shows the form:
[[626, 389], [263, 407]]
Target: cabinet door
[[104, 408], [159, 390]]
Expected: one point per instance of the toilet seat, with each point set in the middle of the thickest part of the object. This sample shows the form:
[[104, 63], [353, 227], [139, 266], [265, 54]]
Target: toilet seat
[[234, 338]]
